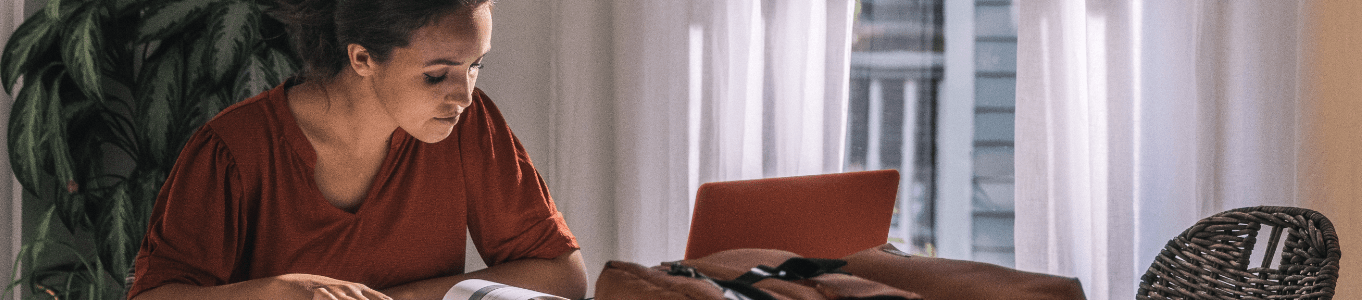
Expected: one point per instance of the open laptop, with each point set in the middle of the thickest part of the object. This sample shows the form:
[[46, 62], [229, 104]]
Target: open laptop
[[822, 216]]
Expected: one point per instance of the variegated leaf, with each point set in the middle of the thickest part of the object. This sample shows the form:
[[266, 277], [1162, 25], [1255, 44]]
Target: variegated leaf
[[69, 206], [163, 20], [72, 211], [28, 134], [60, 151], [149, 185], [25, 46], [254, 78], [37, 139], [81, 52], [198, 52], [235, 32], [208, 106], [60, 10], [44, 231], [53, 9], [118, 246], [162, 83]]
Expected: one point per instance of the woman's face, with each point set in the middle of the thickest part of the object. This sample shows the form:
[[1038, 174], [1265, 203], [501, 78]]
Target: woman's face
[[425, 86]]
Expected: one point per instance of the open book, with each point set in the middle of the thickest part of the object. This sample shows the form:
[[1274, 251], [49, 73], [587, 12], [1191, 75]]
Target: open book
[[478, 289]]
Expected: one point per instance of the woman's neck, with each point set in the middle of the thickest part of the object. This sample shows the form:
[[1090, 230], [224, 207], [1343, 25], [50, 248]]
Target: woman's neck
[[341, 112]]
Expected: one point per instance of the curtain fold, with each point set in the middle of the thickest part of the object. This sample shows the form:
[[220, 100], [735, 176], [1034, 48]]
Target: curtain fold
[[768, 67], [1137, 118], [795, 97], [736, 51], [719, 90]]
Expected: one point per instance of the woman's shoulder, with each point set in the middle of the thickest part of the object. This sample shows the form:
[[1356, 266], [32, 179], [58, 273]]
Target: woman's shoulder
[[252, 125], [255, 117]]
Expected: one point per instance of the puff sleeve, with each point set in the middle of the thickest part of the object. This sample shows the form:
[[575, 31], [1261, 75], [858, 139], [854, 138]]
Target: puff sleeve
[[201, 197]]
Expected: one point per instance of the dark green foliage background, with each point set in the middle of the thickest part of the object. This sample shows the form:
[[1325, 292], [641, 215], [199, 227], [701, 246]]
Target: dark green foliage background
[[111, 90]]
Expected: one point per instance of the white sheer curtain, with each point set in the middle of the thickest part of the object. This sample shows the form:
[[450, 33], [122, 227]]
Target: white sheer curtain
[[774, 90], [716, 90], [1137, 118]]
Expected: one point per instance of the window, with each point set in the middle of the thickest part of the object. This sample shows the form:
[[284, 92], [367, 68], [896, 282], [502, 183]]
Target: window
[[902, 115]]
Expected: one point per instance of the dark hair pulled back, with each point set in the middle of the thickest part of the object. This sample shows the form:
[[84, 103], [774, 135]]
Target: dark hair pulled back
[[320, 29]]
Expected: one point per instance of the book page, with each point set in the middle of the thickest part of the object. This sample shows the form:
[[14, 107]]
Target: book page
[[478, 289]]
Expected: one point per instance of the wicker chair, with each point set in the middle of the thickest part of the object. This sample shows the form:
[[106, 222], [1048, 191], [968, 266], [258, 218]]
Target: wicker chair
[[1211, 259]]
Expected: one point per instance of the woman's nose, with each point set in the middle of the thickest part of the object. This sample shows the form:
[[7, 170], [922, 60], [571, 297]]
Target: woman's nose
[[462, 96], [464, 93]]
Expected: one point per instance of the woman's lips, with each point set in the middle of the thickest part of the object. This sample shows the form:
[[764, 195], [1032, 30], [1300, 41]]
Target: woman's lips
[[450, 118], [448, 121]]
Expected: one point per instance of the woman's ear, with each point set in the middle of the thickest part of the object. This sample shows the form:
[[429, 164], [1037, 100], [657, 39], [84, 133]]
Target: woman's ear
[[360, 60]]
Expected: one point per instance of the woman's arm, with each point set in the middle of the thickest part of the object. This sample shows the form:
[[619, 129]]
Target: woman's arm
[[563, 276], [291, 286]]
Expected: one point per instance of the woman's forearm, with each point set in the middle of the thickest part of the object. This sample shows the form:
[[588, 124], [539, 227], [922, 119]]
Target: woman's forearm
[[253, 289], [285, 287], [563, 276]]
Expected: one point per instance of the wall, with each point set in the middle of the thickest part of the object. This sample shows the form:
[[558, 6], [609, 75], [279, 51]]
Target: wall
[[1330, 176], [11, 15]]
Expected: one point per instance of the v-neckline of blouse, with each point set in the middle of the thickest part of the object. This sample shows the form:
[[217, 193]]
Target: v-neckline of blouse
[[307, 154]]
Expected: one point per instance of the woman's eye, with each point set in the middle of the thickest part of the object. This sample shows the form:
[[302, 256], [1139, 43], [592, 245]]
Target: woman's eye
[[475, 67], [434, 79]]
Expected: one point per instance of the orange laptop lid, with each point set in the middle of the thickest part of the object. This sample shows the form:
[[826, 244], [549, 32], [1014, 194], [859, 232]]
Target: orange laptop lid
[[823, 216]]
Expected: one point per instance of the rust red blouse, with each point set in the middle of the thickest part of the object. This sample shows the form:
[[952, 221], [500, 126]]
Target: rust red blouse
[[241, 204]]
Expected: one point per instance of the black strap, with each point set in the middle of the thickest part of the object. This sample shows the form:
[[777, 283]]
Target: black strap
[[744, 290], [793, 269]]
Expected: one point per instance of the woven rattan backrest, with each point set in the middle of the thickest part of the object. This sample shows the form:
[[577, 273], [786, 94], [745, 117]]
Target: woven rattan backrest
[[1211, 259]]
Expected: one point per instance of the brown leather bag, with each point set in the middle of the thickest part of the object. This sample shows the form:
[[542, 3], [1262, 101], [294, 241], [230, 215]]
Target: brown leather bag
[[740, 274], [940, 278]]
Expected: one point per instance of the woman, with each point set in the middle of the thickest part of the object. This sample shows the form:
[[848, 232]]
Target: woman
[[358, 179]]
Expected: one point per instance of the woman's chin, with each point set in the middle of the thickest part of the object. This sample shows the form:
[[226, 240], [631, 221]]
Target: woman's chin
[[433, 135]]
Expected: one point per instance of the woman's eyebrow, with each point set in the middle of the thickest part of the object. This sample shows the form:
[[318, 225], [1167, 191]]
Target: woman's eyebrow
[[442, 61], [446, 61]]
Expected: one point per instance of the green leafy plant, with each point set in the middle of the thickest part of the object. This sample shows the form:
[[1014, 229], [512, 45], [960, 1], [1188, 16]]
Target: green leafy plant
[[111, 90]]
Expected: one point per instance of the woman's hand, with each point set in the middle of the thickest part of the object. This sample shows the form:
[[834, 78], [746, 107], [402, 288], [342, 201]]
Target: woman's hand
[[298, 286], [564, 276]]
